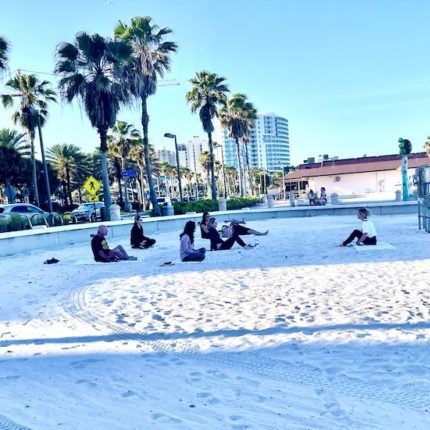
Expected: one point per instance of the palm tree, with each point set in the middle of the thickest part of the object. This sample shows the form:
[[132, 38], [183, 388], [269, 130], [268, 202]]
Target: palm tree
[[206, 164], [237, 116], [13, 139], [208, 92], [32, 94], [91, 71], [124, 137], [4, 49], [66, 159], [150, 60]]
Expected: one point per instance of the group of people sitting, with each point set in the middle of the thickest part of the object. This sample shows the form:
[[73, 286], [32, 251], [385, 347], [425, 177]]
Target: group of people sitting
[[314, 200], [208, 229]]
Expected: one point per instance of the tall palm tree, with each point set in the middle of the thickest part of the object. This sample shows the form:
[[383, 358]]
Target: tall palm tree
[[208, 92], [66, 159], [13, 139], [91, 70], [237, 116], [124, 136], [150, 60], [32, 94], [4, 49]]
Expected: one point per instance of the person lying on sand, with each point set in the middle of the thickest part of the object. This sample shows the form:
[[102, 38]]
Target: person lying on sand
[[242, 230], [186, 249], [101, 250], [367, 234], [217, 244]]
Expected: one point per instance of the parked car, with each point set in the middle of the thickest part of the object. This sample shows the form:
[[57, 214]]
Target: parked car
[[161, 202], [22, 209], [35, 215], [88, 212]]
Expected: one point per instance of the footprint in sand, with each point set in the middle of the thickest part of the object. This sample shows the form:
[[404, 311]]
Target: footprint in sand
[[84, 363], [86, 383], [128, 393]]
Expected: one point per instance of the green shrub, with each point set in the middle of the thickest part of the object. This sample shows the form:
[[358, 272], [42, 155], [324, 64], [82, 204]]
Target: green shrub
[[212, 205], [4, 224], [18, 222], [242, 202]]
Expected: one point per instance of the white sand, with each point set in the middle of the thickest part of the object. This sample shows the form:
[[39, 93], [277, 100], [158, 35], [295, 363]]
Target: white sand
[[295, 334]]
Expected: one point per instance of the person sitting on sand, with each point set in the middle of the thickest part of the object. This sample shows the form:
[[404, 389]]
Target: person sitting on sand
[[186, 249], [367, 234], [204, 225], [312, 197], [137, 239], [217, 244], [101, 250], [322, 201]]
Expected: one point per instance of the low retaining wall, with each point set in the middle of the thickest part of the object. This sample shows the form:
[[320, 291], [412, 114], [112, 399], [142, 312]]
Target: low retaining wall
[[59, 237]]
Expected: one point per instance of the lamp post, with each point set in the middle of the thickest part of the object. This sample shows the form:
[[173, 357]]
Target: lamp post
[[32, 111], [173, 136]]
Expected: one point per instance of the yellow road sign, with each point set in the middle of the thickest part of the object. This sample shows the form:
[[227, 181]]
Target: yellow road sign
[[93, 198], [92, 185]]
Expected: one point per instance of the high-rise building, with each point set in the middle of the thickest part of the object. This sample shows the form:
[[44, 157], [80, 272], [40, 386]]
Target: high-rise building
[[166, 155], [190, 155], [268, 146]]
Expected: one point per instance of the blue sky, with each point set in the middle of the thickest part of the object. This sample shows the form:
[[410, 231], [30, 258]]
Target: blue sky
[[350, 76]]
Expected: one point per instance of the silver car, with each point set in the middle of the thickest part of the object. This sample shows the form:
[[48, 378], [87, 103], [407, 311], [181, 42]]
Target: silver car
[[34, 214], [89, 212]]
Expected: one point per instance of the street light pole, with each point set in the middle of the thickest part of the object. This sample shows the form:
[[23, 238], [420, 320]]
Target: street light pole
[[173, 136], [217, 145]]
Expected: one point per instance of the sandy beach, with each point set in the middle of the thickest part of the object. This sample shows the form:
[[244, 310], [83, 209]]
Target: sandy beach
[[296, 333]]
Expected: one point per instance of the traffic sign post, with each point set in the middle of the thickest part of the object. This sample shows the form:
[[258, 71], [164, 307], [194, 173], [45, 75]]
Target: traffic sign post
[[131, 173], [92, 185]]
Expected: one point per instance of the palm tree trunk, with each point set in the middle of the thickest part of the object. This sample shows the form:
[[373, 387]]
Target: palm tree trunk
[[118, 178], [212, 170], [239, 163], [153, 195], [105, 175], [142, 188], [69, 191], [34, 172], [248, 174]]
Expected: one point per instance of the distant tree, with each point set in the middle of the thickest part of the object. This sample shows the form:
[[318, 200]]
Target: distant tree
[[4, 51], [208, 93], [67, 161], [124, 136], [13, 139], [32, 94], [92, 71], [236, 116], [150, 60]]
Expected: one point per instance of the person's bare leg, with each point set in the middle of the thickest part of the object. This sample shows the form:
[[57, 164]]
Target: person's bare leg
[[258, 233]]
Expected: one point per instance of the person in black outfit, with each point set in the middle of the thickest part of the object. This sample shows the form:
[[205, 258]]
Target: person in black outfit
[[217, 244], [102, 252], [204, 225], [137, 239]]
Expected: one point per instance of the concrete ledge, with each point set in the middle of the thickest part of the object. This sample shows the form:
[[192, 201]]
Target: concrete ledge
[[59, 237]]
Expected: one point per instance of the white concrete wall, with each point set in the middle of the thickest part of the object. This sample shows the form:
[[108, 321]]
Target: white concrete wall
[[360, 183], [58, 237]]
